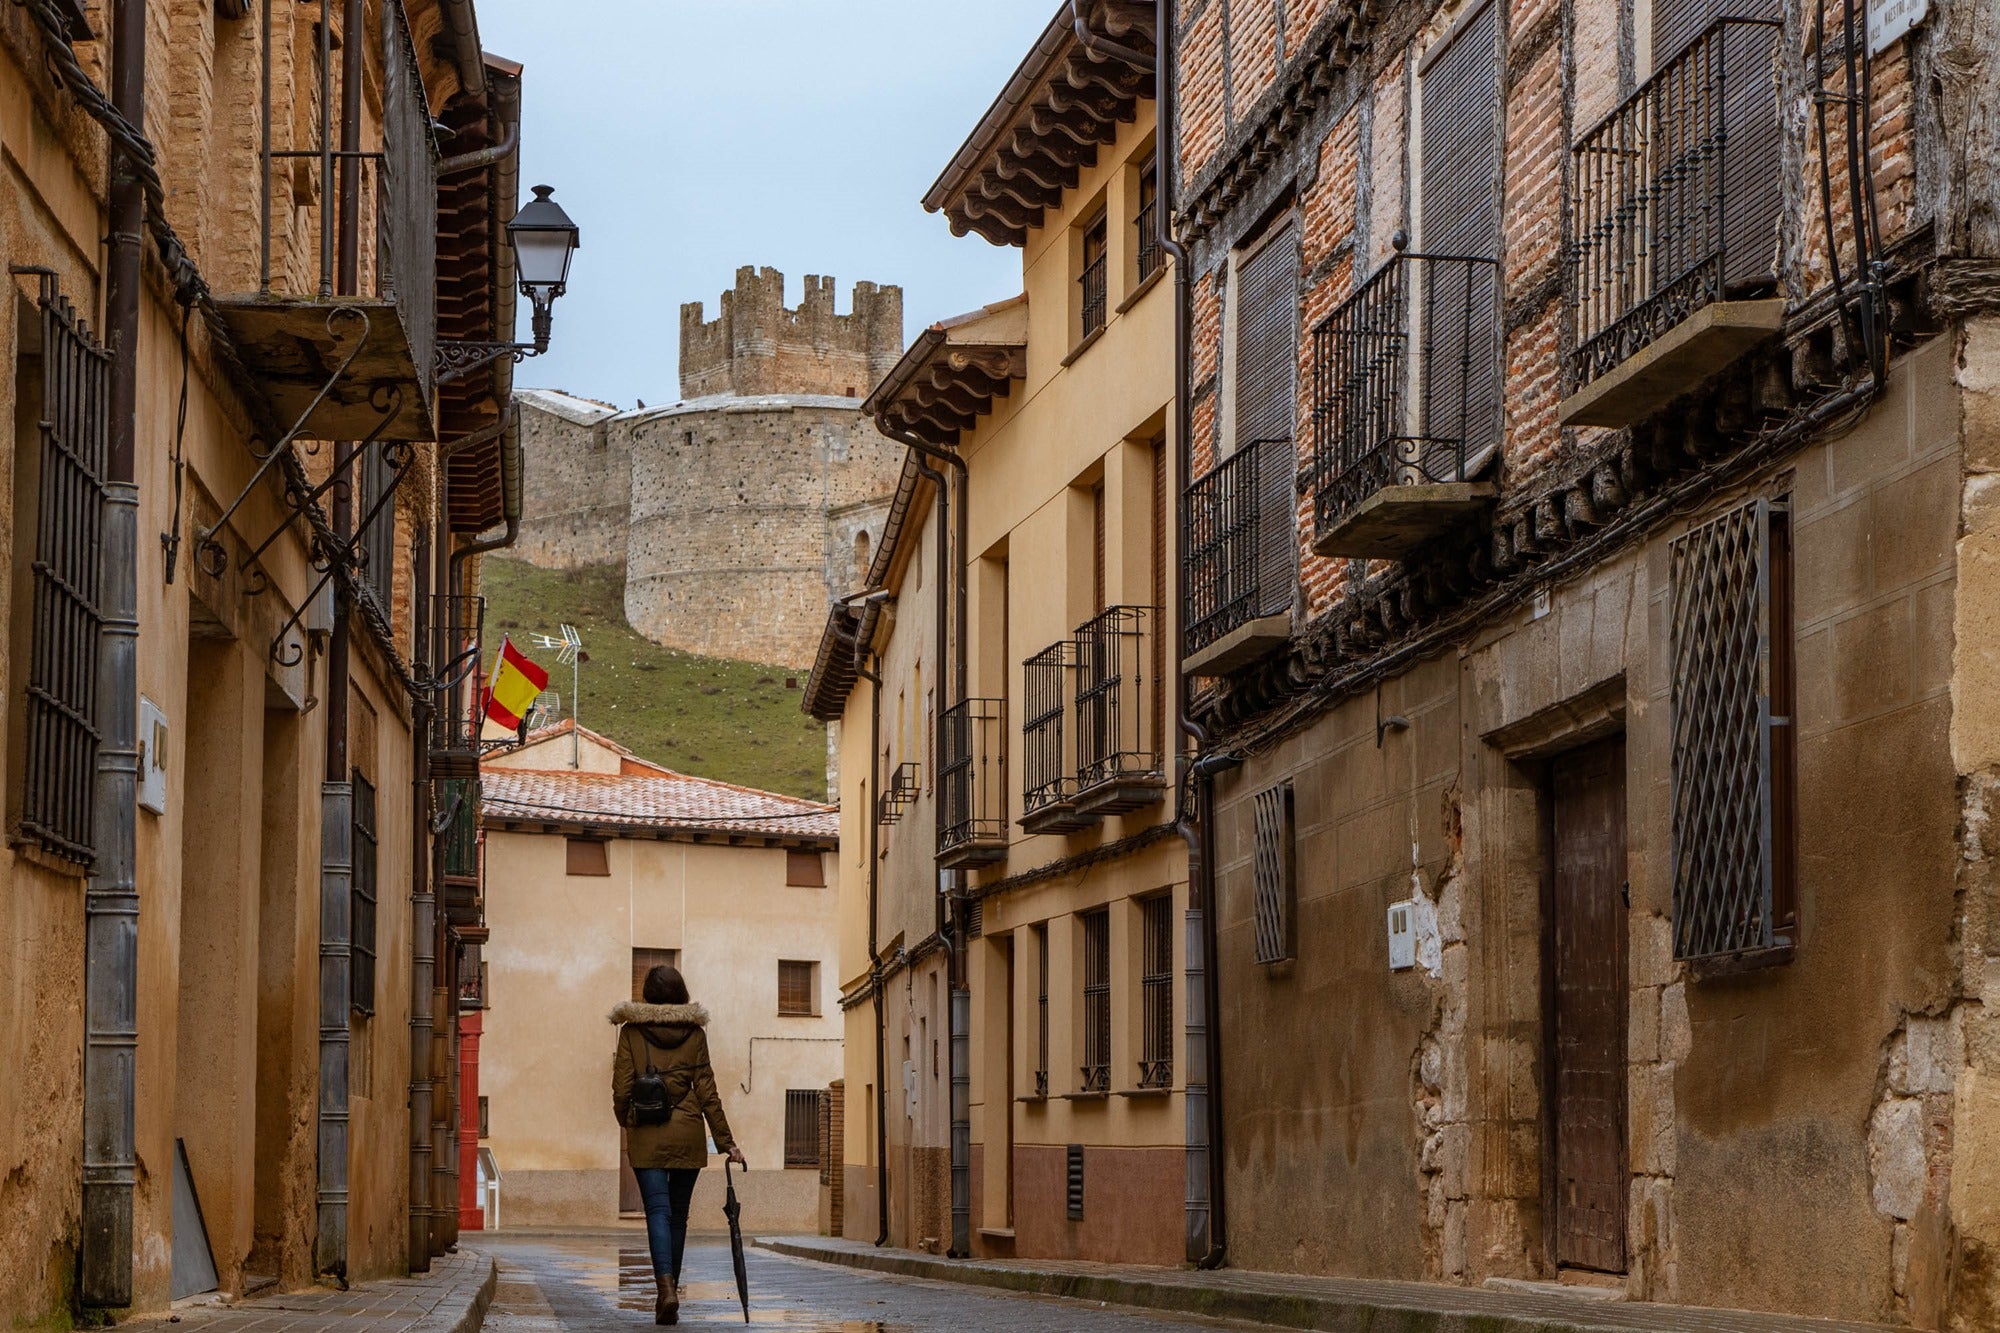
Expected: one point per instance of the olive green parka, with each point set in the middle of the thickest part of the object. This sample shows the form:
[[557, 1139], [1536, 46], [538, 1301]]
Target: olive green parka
[[671, 1037]]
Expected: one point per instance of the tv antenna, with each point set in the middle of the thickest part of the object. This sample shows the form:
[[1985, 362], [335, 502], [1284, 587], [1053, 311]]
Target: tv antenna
[[569, 651]]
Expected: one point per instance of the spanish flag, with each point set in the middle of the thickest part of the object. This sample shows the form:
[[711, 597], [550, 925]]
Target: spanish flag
[[511, 691]]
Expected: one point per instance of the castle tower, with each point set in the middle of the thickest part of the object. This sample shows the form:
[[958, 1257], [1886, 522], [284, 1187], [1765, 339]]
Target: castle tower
[[757, 346]]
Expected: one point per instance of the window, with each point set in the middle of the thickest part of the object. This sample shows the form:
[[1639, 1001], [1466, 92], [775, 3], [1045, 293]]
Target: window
[[1156, 992], [1272, 873], [797, 989], [1092, 280], [1734, 857], [361, 973], [1096, 1001], [1265, 365], [1145, 223], [1040, 936], [805, 869], [802, 1126], [60, 440], [586, 856], [644, 961], [485, 1119], [471, 976], [378, 538]]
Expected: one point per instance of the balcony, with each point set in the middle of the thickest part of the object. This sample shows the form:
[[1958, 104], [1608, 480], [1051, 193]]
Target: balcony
[[1241, 540], [898, 794], [459, 889], [1048, 793], [349, 367], [972, 784], [457, 623], [1118, 713], [1406, 406], [1675, 200]]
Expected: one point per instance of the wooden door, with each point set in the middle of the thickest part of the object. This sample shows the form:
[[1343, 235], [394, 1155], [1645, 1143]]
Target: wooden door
[[1588, 997]]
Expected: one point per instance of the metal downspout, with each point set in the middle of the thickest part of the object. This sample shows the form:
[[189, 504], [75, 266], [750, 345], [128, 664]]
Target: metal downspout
[[1206, 1234], [336, 878], [951, 885], [1102, 46], [111, 898], [423, 918]]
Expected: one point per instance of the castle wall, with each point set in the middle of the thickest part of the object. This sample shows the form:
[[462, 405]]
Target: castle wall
[[578, 482], [756, 345]]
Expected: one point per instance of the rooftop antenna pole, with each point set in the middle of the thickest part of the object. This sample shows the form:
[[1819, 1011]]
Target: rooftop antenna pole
[[569, 650]]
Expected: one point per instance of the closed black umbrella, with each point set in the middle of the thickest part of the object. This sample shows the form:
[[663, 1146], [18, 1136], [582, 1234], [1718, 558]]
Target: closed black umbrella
[[734, 1212]]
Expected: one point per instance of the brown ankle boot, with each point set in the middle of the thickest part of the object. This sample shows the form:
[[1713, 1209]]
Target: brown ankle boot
[[666, 1301]]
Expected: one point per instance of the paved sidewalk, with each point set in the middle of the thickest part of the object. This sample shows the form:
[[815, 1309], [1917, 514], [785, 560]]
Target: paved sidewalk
[[1338, 1304], [451, 1298]]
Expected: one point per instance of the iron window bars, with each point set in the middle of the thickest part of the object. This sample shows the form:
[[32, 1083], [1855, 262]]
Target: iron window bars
[[1406, 381], [471, 976], [1096, 1001], [405, 186], [1241, 520], [1049, 783], [804, 1108], [1674, 197], [1272, 873], [58, 758], [362, 894], [1145, 223], [1092, 280], [1117, 754], [1156, 992], [458, 808], [458, 624], [1040, 935], [899, 795], [972, 781], [1731, 720]]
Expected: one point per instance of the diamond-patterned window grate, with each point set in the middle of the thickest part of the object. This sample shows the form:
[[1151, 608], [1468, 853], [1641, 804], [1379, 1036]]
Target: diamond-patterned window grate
[[1732, 734], [1271, 873]]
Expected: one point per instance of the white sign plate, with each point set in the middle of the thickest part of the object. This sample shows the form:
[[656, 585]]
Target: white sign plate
[[1889, 20]]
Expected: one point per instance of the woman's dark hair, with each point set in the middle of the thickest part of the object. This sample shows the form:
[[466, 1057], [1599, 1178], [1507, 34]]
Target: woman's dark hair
[[665, 985]]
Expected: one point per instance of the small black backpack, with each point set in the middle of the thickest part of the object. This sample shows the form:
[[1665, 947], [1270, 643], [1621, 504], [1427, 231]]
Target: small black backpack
[[649, 1104]]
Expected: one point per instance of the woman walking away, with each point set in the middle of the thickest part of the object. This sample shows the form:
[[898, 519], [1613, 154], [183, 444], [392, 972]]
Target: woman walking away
[[662, 1089]]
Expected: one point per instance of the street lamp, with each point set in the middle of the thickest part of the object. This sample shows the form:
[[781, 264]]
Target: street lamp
[[543, 240]]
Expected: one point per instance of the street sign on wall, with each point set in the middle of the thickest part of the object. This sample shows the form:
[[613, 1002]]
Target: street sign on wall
[[1889, 20]]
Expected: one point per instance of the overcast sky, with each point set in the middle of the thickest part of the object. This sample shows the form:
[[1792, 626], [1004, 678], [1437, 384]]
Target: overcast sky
[[690, 137]]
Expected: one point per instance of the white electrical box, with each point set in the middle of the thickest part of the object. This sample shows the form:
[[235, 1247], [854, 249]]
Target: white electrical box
[[1402, 936], [152, 757]]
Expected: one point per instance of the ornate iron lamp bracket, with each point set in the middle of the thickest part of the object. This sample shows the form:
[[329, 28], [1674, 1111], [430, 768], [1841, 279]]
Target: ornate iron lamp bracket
[[455, 359]]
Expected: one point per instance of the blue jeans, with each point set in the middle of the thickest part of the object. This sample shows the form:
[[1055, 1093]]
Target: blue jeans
[[666, 1193]]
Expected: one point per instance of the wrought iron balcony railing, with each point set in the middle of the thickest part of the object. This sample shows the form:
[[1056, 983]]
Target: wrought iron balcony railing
[[457, 624], [1241, 540], [1674, 197], [1117, 713], [1406, 392], [1048, 790], [898, 794], [972, 784], [458, 808], [1093, 284]]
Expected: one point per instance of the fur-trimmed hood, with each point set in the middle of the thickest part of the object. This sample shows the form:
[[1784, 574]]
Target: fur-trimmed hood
[[669, 1015]]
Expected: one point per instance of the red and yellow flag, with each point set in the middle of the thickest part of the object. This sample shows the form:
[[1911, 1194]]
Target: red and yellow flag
[[511, 691]]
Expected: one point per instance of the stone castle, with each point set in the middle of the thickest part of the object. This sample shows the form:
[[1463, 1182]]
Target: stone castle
[[741, 510]]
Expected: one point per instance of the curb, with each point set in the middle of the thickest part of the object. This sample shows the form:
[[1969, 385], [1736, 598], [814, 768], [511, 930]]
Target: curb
[[473, 1315], [1294, 1309]]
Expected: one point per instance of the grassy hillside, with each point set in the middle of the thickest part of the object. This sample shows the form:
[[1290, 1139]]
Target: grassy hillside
[[731, 720]]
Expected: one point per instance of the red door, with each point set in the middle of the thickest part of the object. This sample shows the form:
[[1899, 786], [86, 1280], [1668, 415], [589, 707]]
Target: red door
[[1588, 996]]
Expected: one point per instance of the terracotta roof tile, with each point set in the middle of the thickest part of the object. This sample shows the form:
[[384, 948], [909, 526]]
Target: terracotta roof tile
[[652, 801]]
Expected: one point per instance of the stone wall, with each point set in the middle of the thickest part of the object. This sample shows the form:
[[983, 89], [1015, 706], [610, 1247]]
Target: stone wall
[[579, 482], [755, 345]]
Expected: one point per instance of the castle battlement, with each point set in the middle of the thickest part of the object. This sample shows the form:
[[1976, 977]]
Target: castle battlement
[[757, 345]]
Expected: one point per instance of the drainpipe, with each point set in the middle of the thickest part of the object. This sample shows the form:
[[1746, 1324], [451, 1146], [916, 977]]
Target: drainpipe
[[336, 878], [871, 603], [1206, 1234], [111, 898], [1104, 47], [423, 919], [951, 886]]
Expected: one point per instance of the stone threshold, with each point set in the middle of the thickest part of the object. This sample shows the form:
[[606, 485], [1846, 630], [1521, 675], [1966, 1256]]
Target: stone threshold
[[1287, 1301]]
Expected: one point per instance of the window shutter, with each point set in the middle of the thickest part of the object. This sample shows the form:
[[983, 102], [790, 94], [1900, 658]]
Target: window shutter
[[1266, 386], [1272, 873], [1456, 315], [795, 987], [644, 961], [1097, 580]]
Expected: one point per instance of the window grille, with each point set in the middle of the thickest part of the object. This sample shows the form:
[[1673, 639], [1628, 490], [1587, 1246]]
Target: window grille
[[1145, 222], [1096, 1001], [56, 758], [1272, 873], [458, 623], [1114, 733], [795, 989], [1733, 743], [1050, 778], [1156, 992], [804, 869], [804, 1108], [1041, 938], [1091, 281], [459, 798], [361, 977], [471, 976], [644, 961], [972, 810], [1675, 195], [1240, 538]]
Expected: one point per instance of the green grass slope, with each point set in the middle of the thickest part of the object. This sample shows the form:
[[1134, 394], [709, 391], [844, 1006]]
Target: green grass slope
[[736, 721]]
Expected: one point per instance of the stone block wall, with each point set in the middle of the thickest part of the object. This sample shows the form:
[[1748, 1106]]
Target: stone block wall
[[756, 345], [578, 483]]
